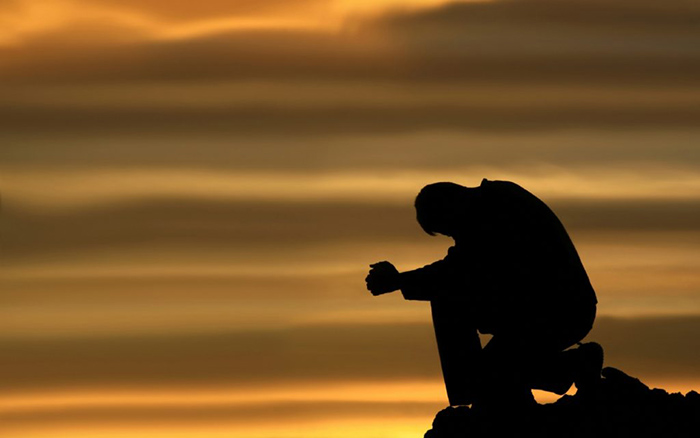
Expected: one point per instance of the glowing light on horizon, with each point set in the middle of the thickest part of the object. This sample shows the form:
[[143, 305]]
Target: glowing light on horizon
[[393, 424], [405, 391], [335, 426], [389, 427]]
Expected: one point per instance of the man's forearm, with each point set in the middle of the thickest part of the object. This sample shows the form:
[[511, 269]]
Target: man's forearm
[[419, 284]]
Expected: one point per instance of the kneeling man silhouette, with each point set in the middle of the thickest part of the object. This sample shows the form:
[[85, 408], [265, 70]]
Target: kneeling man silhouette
[[514, 273]]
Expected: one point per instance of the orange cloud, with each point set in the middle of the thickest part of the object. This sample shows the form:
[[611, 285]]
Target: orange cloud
[[80, 22]]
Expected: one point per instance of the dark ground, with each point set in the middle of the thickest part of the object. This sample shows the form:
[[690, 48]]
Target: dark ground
[[621, 406]]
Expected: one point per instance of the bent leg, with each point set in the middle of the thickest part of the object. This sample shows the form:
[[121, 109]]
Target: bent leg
[[506, 364], [558, 368], [460, 351], [537, 358]]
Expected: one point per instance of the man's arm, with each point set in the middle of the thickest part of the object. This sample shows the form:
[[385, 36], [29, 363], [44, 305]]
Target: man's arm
[[429, 282], [426, 283]]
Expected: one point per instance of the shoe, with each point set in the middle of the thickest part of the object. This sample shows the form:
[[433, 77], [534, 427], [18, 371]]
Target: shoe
[[588, 367]]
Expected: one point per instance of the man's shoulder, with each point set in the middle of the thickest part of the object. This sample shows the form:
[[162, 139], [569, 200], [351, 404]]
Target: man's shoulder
[[503, 187], [508, 196]]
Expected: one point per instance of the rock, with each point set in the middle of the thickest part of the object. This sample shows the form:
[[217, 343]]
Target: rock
[[620, 406]]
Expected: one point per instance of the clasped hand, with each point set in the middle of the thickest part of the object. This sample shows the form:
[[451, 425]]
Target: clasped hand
[[383, 278]]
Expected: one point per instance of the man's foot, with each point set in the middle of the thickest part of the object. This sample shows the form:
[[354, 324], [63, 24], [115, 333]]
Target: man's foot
[[588, 367]]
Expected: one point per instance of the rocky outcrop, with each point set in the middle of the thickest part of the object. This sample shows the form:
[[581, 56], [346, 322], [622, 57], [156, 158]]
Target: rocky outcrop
[[620, 406]]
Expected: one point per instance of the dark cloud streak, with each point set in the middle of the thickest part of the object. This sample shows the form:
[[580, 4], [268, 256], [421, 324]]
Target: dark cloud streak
[[188, 224], [644, 15], [348, 120], [646, 347]]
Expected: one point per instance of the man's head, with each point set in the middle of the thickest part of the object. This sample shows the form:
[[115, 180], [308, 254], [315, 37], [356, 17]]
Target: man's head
[[440, 208]]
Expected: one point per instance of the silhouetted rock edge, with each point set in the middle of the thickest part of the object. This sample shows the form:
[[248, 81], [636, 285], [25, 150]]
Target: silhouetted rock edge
[[621, 406]]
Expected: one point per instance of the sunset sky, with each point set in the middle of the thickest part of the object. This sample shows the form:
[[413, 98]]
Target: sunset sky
[[192, 192]]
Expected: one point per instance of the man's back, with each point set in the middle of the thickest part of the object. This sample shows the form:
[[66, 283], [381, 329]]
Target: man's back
[[528, 260], [512, 260]]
